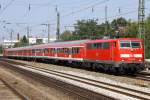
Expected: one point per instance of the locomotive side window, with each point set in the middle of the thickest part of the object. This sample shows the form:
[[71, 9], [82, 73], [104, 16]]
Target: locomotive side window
[[106, 45], [97, 45], [94, 46], [102, 45]]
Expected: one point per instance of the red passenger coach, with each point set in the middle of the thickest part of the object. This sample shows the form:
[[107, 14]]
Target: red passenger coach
[[118, 55]]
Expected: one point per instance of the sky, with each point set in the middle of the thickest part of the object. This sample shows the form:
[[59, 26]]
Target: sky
[[17, 15]]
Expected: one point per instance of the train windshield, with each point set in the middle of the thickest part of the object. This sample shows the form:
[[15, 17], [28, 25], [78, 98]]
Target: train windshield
[[130, 44]]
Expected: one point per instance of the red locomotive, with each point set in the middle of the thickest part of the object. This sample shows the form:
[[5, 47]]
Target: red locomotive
[[117, 55]]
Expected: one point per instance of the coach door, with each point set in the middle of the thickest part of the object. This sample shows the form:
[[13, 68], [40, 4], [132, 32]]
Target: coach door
[[70, 52]]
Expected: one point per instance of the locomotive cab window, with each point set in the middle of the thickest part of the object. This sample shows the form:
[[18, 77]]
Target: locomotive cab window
[[135, 44], [130, 44], [125, 44]]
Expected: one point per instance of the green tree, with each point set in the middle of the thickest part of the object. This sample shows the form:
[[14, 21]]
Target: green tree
[[39, 41], [132, 29], [1, 49], [86, 29], [66, 36], [147, 38], [23, 42], [119, 25]]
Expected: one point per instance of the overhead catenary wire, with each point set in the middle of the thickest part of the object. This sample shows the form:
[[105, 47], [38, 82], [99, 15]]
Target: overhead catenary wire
[[83, 9], [109, 17], [77, 11], [9, 4]]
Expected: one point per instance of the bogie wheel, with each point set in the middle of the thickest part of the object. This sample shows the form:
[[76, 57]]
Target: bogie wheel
[[121, 70]]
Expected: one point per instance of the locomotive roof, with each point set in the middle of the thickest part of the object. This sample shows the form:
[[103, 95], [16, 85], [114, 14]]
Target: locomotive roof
[[69, 43]]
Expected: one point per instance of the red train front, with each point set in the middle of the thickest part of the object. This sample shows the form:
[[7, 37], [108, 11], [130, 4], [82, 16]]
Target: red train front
[[131, 54], [118, 55], [123, 55]]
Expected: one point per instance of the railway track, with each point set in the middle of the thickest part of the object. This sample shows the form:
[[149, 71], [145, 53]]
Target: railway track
[[88, 85], [8, 92], [143, 76]]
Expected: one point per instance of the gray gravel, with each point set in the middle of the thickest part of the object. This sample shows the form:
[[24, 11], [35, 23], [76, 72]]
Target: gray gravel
[[121, 79]]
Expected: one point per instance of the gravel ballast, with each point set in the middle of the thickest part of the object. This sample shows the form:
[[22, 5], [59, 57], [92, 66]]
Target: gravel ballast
[[95, 75]]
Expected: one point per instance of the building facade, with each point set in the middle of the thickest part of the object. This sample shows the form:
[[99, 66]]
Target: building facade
[[9, 43]]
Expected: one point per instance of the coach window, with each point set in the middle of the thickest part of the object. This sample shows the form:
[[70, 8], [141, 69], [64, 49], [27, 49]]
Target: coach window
[[37, 50], [53, 50], [77, 50], [50, 50], [62, 50], [66, 50], [57, 50], [41, 50], [73, 50], [33, 51], [89, 46], [46, 50]]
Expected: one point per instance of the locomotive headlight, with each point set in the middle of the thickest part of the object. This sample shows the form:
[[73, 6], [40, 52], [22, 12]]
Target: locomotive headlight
[[122, 60], [124, 55]]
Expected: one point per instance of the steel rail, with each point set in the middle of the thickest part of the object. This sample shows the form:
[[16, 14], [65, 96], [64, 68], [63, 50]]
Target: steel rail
[[94, 82], [21, 95], [71, 91]]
